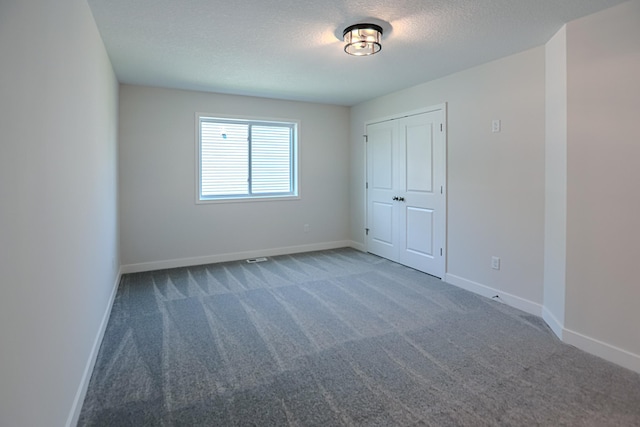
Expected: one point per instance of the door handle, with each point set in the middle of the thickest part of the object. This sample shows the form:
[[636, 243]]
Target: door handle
[[401, 199], [395, 198]]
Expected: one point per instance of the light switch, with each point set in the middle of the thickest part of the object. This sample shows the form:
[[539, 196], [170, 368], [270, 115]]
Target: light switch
[[495, 126]]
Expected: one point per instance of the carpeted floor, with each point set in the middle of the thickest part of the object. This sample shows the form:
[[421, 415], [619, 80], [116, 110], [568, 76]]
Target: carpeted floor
[[338, 338]]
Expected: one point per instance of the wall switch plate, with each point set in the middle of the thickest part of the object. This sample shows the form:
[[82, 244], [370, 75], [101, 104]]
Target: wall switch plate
[[496, 126], [306, 228], [495, 263]]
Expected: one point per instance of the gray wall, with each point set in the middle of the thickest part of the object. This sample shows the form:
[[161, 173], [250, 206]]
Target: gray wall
[[58, 195], [603, 172], [161, 225]]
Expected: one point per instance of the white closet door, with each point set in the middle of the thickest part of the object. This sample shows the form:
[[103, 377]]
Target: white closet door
[[382, 179], [405, 197]]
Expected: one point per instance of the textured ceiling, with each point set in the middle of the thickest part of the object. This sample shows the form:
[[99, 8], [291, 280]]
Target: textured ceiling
[[292, 49]]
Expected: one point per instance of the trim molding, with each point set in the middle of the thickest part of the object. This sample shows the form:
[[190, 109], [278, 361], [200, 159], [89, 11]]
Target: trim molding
[[601, 349], [235, 256], [593, 346], [489, 292], [358, 246], [74, 415], [553, 323]]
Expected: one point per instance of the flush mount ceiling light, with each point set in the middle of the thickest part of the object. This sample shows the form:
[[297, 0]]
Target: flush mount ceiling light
[[362, 39]]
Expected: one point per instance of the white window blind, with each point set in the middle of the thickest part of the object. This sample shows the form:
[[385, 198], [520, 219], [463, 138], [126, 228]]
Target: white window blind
[[244, 159]]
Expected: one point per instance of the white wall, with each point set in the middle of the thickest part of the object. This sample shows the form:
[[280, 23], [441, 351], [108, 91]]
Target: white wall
[[161, 225], [58, 195], [555, 237], [603, 235], [495, 180]]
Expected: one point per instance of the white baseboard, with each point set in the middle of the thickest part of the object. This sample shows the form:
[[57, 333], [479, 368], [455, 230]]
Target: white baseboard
[[556, 326], [74, 415], [601, 349], [489, 292], [358, 246], [236, 256], [593, 346]]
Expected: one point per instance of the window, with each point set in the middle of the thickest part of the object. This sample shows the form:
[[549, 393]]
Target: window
[[240, 159]]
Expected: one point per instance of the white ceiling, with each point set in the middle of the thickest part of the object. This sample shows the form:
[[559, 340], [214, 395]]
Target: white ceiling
[[292, 49]]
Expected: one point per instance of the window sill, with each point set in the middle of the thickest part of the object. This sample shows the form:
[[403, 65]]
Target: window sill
[[247, 199]]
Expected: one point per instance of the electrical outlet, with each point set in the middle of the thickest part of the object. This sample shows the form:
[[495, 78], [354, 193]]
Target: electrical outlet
[[306, 228], [495, 263], [495, 126]]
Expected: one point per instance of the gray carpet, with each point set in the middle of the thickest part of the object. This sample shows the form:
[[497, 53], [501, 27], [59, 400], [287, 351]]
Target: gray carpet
[[337, 338]]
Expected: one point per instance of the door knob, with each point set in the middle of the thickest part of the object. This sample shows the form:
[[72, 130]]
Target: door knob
[[395, 198], [401, 199]]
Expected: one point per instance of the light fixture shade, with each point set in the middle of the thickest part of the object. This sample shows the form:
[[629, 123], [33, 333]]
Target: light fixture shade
[[362, 39]]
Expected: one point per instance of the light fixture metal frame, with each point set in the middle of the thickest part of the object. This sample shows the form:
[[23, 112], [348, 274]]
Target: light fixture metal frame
[[376, 46]]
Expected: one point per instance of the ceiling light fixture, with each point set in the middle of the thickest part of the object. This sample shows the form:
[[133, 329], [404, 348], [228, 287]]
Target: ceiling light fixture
[[362, 39]]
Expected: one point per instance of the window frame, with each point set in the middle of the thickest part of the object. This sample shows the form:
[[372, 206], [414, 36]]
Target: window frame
[[293, 166]]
